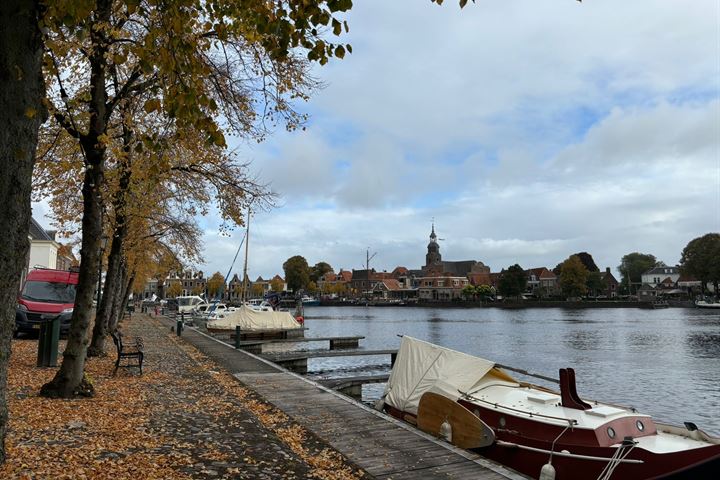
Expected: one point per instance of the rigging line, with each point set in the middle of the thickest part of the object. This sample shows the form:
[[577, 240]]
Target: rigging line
[[217, 298]]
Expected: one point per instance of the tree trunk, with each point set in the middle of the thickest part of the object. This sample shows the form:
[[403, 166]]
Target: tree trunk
[[21, 112], [113, 278], [70, 380], [112, 283], [127, 290]]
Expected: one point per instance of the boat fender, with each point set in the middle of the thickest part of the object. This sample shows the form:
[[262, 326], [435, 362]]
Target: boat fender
[[547, 472], [446, 431], [300, 320]]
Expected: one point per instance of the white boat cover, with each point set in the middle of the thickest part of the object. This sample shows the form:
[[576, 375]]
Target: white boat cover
[[421, 367], [249, 320]]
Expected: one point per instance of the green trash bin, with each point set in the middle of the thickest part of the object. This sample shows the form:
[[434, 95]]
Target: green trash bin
[[48, 341]]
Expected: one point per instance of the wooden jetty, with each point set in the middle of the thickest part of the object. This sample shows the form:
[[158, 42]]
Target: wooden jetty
[[336, 343], [352, 386], [382, 446], [297, 361]]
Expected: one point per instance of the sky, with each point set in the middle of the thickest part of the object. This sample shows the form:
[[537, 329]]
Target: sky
[[528, 130]]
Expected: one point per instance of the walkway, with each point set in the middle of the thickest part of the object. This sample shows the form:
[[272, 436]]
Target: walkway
[[382, 446]]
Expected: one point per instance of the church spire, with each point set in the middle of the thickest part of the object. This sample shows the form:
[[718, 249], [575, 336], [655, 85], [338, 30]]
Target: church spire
[[433, 237]]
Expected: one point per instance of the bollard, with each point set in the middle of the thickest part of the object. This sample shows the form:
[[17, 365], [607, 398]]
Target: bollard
[[182, 317], [179, 327], [237, 337]]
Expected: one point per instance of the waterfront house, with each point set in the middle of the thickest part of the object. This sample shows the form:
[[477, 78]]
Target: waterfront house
[[657, 275], [441, 288], [363, 281], [541, 282], [611, 284]]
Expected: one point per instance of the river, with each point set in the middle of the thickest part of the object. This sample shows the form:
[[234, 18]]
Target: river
[[663, 362]]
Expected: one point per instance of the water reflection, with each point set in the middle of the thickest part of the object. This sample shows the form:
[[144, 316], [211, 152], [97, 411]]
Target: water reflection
[[583, 340], [703, 345]]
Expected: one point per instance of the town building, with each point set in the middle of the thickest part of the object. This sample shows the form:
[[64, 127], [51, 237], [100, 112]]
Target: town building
[[612, 286], [656, 276], [435, 265], [43, 247], [191, 283], [441, 288]]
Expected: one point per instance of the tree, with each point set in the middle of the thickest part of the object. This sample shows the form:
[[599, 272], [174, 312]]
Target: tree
[[277, 285], [595, 283], [216, 284], [633, 265], [320, 269], [198, 290], [257, 290], [468, 292], [573, 277], [587, 261], [191, 63], [512, 281], [484, 291], [174, 290], [297, 273], [311, 287], [21, 109], [701, 259]]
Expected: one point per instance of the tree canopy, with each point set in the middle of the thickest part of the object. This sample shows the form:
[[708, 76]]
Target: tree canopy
[[633, 265], [512, 281], [297, 274], [701, 259], [216, 284], [318, 270], [573, 277]]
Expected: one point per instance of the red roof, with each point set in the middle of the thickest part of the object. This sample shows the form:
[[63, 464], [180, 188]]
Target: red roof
[[399, 271], [391, 284]]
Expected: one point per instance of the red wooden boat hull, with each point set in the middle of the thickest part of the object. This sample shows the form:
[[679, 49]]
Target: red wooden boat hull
[[697, 464]]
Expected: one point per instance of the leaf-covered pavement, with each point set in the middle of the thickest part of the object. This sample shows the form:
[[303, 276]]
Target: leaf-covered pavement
[[185, 417]]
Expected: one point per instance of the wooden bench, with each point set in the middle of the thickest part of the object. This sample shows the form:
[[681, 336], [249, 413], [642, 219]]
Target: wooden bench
[[128, 351]]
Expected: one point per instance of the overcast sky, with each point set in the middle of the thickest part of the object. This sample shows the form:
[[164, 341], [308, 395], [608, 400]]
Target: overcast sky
[[529, 130]]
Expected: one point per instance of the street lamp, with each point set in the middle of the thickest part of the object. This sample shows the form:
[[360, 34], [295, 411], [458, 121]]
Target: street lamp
[[103, 245]]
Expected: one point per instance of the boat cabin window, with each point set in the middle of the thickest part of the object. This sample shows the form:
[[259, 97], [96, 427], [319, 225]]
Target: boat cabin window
[[611, 432], [640, 426]]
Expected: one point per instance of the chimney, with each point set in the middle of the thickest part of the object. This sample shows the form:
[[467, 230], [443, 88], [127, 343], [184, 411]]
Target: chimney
[[607, 270]]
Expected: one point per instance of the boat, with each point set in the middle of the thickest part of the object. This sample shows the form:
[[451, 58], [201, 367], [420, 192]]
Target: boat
[[660, 304], [477, 405], [259, 305], [707, 304], [308, 301], [254, 321]]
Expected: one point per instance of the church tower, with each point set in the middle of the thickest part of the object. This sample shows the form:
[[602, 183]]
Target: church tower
[[433, 256]]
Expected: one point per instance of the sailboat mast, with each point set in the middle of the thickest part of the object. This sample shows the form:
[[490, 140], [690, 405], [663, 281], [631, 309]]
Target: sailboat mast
[[245, 268]]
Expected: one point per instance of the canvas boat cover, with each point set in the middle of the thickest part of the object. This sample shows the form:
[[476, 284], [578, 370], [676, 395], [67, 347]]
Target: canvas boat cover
[[248, 320], [421, 367]]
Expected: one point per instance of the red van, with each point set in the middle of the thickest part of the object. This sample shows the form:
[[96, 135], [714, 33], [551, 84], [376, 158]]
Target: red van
[[46, 293]]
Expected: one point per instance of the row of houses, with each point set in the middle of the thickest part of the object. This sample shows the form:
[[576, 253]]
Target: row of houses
[[437, 280]]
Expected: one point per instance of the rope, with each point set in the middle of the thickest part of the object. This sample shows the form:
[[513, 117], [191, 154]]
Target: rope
[[552, 447], [617, 458]]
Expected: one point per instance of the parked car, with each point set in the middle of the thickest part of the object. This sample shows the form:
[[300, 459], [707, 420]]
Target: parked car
[[46, 293]]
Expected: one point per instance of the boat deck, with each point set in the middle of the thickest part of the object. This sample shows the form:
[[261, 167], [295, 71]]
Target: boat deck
[[382, 446]]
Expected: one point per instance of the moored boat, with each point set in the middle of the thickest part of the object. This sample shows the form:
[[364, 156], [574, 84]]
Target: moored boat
[[545, 434], [706, 304], [308, 301], [250, 320]]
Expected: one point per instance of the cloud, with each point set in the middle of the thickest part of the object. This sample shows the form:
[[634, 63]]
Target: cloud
[[528, 130]]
